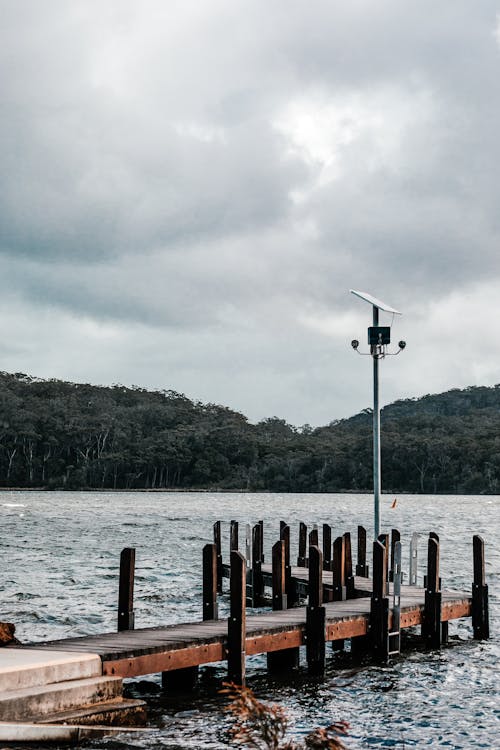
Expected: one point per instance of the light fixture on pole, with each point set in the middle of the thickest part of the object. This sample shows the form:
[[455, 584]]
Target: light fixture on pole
[[379, 337]]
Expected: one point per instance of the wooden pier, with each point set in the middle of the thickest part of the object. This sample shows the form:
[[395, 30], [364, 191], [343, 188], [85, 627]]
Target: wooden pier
[[353, 607], [316, 602]]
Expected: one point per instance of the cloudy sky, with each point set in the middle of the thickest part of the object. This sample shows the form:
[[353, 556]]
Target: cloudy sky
[[190, 188]]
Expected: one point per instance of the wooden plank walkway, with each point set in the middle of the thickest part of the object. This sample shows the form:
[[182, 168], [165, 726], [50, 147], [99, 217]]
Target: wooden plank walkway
[[142, 651]]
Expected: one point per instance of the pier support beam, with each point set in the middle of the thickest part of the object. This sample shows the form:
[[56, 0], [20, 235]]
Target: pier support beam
[[362, 567], [327, 546], [395, 537], [301, 559], [279, 662], [480, 614], [210, 608], [379, 604], [431, 626], [236, 626], [257, 579], [218, 547], [349, 578], [315, 615], [126, 619]]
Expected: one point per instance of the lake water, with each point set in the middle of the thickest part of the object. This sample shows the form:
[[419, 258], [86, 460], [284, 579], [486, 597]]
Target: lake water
[[60, 556]]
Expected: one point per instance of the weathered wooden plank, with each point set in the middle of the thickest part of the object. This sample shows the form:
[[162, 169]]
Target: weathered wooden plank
[[361, 566]]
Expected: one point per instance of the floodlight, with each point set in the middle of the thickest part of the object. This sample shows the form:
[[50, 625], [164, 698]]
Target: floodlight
[[402, 344], [354, 343]]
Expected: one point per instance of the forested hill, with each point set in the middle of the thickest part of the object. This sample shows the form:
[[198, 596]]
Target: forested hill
[[65, 435]]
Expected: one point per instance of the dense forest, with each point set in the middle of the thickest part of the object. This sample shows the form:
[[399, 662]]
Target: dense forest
[[62, 435]]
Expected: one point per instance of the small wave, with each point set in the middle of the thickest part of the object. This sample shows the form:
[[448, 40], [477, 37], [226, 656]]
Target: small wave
[[13, 505]]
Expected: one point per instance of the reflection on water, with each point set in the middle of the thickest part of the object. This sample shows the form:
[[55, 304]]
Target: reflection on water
[[61, 554]]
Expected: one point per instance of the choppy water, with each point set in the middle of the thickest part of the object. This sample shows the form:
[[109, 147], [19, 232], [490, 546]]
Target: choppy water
[[59, 578]]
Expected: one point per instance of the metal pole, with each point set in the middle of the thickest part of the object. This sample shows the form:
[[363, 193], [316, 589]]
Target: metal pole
[[376, 436]]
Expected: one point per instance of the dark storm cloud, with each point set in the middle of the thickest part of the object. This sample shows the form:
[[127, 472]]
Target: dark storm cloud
[[217, 175]]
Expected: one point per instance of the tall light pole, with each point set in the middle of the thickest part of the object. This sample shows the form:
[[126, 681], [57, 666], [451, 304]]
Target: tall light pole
[[378, 339]]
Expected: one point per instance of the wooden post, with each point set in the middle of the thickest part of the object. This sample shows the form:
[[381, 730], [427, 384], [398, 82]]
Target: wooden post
[[257, 579], [349, 578], [218, 547], [313, 538], [362, 567], [301, 559], [395, 537], [315, 615], [379, 604], [280, 661], [261, 524], [233, 536], [431, 626], [289, 584], [480, 614], [339, 593], [327, 546], [413, 572], [384, 539], [126, 619], [236, 626], [210, 609]]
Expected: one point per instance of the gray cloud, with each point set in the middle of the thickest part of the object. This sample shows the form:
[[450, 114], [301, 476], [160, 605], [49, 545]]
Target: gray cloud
[[188, 191]]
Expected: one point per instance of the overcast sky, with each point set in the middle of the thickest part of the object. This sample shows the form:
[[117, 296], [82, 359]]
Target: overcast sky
[[189, 189]]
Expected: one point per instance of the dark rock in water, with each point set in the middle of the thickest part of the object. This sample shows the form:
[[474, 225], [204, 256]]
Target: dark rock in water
[[7, 637]]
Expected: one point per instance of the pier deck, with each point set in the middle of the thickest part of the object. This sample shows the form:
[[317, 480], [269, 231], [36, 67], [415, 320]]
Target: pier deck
[[143, 651]]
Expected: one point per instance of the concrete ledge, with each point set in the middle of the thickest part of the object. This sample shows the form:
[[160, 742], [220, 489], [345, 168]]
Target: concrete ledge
[[26, 667], [28, 732], [39, 701]]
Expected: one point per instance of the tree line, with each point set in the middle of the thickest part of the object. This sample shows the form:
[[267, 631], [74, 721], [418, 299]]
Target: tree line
[[61, 435]]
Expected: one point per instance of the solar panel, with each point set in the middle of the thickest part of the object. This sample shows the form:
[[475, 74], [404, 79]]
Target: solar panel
[[375, 302]]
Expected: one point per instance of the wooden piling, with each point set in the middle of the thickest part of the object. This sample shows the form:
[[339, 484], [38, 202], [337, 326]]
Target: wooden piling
[[480, 613], [301, 559], [384, 539], [431, 626], [339, 593], [210, 609], [349, 578], [313, 537], [327, 546], [287, 659], [315, 615], [261, 524], [126, 619], [257, 578], [218, 547], [361, 566], [290, 587], [395, 537], [379, 603], [236, 626], [233, 536]]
